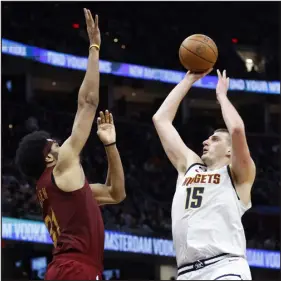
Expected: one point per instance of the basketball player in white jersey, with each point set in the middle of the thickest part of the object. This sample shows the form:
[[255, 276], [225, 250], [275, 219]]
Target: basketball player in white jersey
[[213, 191]]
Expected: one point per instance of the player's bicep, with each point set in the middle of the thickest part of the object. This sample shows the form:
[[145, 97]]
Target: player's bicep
[[242, 163], [102, 194], [178, 153]]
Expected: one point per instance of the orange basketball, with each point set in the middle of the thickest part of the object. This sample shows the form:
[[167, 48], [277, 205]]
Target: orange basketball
[[198, 53]]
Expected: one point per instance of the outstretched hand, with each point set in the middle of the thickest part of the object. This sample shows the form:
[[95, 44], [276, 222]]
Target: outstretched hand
[[223, 84], [92, 27], [106, 129]]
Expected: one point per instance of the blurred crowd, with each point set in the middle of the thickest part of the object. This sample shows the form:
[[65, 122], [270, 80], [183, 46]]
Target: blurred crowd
[[150, 178]]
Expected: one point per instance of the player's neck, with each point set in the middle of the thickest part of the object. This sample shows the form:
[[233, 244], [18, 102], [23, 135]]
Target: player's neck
[[218, 164]]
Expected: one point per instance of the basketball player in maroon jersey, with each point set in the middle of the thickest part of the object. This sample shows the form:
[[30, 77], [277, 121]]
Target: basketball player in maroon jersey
[[70, 204]]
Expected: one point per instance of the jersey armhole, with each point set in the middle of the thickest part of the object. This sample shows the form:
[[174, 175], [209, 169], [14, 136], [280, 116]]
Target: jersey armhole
[[55, 184], [245, 207], [54, 181], [194, 164], [232, 182]]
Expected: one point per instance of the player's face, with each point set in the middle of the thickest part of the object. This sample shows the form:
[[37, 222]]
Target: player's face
[[216, 147]]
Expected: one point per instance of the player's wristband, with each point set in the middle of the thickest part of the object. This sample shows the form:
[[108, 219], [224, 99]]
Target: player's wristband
[[106, 145], [94, 46]]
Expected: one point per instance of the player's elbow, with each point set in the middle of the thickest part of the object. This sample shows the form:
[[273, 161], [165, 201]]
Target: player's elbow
[[121, 198], [155, 118], [159, 119], [118, 198], [238, 129], [117, 192], [90, 100]]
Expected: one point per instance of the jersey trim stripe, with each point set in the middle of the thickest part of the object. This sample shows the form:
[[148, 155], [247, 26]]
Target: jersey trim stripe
[[200, 164], [232, 182], [195, 268], [200, 264], [54, 181], [235, 275], [203, 260]]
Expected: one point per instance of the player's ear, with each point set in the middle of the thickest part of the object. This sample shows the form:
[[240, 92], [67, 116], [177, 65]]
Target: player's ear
[[49, 158]]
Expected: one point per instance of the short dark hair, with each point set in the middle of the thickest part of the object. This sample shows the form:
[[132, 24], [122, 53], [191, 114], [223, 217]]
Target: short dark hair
[[222, 130], [29, 156]]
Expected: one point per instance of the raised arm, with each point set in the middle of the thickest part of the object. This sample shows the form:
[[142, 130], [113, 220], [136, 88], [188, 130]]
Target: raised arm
[[113, 191], [178, 153], [88, 99], [242, 165]]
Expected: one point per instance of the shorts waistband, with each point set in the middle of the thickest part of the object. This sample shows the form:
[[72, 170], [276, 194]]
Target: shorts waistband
[[79, 257], [200, 264]]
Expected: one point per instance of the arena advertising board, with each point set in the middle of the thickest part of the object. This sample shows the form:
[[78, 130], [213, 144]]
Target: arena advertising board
[[36, 232], [69, 61]]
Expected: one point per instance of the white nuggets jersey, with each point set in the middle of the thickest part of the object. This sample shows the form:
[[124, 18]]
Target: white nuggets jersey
[[206, 215]]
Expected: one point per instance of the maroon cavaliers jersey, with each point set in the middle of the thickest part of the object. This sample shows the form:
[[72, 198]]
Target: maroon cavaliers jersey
[[73, 219]]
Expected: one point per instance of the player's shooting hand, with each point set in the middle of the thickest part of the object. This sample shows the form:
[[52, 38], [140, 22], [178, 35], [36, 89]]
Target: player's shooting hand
[[92, 27], [106, 128], [192, 77], [223, 84]]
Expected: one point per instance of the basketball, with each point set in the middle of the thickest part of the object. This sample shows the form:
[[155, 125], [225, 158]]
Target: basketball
[[198, 53]]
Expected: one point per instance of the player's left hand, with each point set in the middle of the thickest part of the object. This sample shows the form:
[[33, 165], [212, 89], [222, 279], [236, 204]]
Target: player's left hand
[[106, 128], [223, 84]]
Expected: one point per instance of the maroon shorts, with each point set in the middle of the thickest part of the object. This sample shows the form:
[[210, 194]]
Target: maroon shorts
[[72, 267]]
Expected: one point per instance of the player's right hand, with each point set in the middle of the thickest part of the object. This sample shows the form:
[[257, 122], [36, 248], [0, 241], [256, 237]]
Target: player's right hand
[[92, 27], [223, 84], [193, 77]]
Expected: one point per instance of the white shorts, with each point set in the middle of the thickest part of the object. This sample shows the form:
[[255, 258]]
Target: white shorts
[[229, 268]]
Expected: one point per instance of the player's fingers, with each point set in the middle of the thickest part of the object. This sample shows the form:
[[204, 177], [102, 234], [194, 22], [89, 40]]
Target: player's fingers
[[102, 117], [89, 16], [99, 121], [86, 15], [111, 118], [106, 116], [219, 74], [224, 74]]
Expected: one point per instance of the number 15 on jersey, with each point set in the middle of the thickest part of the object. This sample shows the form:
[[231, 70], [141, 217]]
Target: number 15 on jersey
[[194, 196]]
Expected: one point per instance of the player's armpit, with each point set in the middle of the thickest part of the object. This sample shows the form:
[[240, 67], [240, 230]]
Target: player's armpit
[[178, 153], [70, 179], [70, 150], [102, 193]]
